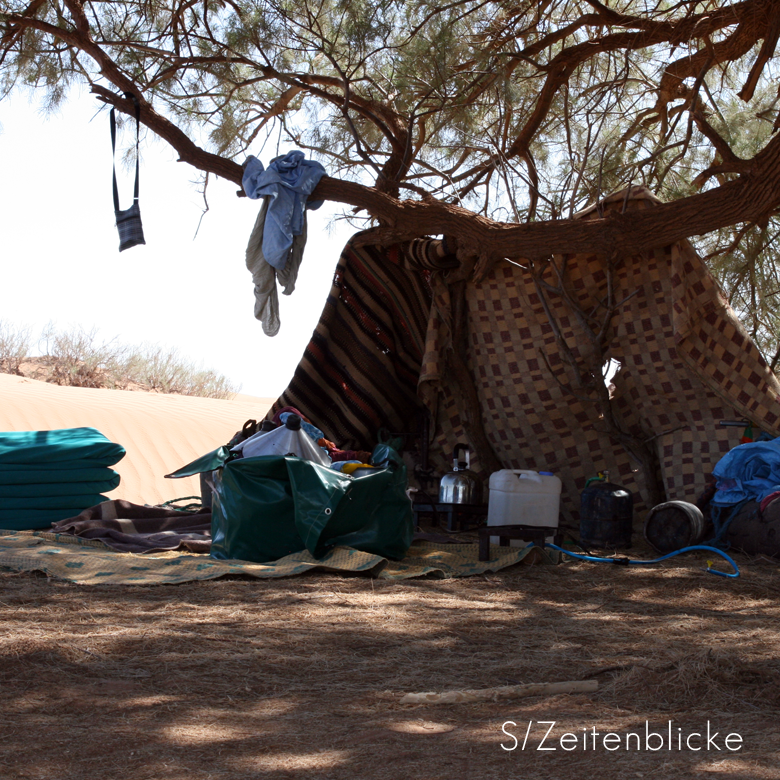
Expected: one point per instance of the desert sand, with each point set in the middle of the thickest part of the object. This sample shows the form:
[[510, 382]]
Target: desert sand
[[160, 432]]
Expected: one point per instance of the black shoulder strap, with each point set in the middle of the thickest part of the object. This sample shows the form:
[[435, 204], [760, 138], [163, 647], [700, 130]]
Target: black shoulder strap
[[113, 148]]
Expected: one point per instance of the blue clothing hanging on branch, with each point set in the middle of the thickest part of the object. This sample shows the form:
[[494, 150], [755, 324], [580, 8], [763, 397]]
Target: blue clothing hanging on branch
[[287, 181]]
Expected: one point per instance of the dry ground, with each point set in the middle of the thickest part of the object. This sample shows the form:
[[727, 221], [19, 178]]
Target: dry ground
[[300, 678]]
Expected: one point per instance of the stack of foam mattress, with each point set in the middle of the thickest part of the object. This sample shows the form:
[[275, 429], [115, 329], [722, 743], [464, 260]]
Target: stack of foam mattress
[[47, 476]]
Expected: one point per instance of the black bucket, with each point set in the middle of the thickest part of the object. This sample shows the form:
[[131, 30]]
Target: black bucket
[[674, 525], [755, 532], [606, 516]]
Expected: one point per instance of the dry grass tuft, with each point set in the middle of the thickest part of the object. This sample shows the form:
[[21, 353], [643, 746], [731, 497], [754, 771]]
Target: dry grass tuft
[[702, 678]]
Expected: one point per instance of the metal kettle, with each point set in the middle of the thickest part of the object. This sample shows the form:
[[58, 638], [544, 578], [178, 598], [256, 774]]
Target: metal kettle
[[461, 485]]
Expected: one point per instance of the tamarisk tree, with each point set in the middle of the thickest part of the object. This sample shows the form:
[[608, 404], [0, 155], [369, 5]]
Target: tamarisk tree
[[492, 122]]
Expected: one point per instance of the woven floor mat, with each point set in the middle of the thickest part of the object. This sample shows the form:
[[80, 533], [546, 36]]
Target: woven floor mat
[[90, 562]]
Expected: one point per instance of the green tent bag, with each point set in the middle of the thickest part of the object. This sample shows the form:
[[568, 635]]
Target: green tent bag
[[267, 507]]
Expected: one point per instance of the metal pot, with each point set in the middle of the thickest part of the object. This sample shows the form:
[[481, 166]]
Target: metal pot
[[461, 485]]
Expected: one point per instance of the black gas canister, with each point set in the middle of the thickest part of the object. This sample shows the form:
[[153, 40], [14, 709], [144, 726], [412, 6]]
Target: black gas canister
[[606, 514]]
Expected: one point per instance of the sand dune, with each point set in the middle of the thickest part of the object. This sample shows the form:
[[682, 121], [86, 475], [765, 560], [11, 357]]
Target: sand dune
[[159, 432]]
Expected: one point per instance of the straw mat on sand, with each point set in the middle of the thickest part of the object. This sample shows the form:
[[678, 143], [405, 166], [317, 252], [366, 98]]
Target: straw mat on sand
[[90, 562]]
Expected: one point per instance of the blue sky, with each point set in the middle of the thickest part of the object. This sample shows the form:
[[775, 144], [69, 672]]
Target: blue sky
[[61, 262]]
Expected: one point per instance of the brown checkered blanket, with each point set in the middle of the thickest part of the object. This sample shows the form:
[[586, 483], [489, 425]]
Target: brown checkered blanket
[[686, 363]]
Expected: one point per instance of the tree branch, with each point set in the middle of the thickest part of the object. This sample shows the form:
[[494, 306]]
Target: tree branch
[[189, 152], [750, 198]]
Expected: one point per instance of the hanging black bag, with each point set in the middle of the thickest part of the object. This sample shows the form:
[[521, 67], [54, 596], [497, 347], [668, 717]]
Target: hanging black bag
[[128, 222]]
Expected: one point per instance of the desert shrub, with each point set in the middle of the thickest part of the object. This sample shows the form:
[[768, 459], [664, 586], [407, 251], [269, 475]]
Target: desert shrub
[[166, 371], [78, 359], [155, 368], [14, 347], [207, 383]]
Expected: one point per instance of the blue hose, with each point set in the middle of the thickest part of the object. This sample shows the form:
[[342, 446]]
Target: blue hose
[[627, 561]]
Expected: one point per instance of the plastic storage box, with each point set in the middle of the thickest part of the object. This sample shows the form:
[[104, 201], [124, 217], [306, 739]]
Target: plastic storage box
[[521, 497]]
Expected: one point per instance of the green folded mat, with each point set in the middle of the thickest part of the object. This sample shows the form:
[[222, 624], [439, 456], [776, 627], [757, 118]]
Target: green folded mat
[[47, 447], [31, 519], [35, 475], [77, 464], [77, 502], [34, 490]]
